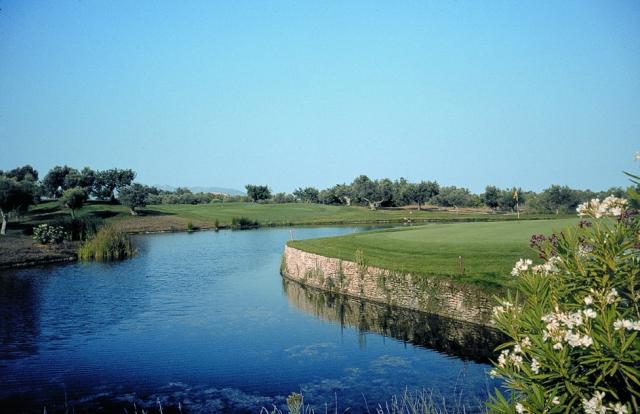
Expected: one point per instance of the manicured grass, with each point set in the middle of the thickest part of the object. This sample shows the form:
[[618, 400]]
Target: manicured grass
[[177, 216], [302, 213], [489, 250]]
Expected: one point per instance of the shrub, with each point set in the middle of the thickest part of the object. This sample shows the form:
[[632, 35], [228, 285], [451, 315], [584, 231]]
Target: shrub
[[48, 234], [107, 244], [190, 227], [574, 323], [244, 223], [79, 228]]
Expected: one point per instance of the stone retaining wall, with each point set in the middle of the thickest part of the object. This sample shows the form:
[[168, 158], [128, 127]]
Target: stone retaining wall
[[437, 295]]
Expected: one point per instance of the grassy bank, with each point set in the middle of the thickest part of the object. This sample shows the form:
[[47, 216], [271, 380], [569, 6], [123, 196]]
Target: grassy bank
[[488, 249]]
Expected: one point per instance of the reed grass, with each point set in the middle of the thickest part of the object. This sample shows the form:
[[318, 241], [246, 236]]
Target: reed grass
[[107, 244]]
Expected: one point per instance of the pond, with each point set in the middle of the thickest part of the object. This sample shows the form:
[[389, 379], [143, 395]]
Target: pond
[[205, 320]]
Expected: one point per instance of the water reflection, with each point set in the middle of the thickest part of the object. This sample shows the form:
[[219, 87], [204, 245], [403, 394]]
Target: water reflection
[[19, 318], [453, 337]]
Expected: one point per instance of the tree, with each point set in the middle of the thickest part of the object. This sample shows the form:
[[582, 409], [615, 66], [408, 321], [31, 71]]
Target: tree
[[55, 182], [134, 196], [26, 172], [74, 199], [281, 198], [491, 196], [384, 192], [422, 192], [402, 192], [258, 192], [108, 181], [344, 192], [363, 188], [307, 195], [87, 179], [15, 196], [456, 197], [556, 198], [510, 199], [329, 196]]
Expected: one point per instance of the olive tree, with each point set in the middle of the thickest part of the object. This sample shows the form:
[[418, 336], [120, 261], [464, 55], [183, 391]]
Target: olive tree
[[134, 196], [56, 181], [73, 198], [107, 182], [15, 196], [258, 192]]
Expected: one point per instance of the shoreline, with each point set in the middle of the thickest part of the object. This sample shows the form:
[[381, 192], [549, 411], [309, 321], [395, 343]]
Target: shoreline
[[29, 254]]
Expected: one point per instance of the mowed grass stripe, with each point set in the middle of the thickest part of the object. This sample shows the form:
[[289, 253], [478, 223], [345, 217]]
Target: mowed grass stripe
[[489, 250]]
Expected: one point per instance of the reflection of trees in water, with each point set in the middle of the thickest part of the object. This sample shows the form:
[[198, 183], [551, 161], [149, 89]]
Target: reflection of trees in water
[[53, 304], [462, 339], [19, 317], [89, 298]]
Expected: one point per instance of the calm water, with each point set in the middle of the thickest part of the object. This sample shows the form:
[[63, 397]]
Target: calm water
[[206, 320]]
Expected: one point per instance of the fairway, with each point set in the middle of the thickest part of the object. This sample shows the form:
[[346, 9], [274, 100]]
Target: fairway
[[175, 216], [309, 213], [488, 249]]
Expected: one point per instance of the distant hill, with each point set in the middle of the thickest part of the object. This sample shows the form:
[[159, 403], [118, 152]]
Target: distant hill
[[204, 189]]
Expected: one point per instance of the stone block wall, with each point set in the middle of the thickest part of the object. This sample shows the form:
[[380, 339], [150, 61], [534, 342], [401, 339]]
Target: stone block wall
[[437, 295]]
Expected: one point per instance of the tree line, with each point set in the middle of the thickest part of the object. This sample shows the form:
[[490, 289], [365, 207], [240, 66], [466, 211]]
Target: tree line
[[377, 193], [22, 187]]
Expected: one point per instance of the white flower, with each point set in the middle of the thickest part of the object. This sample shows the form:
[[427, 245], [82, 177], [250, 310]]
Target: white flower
[[586, 341], [573, 339], [626, 324], [594, 405], [618, 408], [521, 265], [520, 408], [557, 346], [502, 359], [590, 313], [526, 343], [535, 366], [610, 206], [611, 296], [494, 373], [588, 300], [516, 360], [555, 401]]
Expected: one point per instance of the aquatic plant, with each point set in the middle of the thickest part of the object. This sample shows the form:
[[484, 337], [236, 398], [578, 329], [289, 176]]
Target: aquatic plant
[[418, 402], [107, 244], [243, 223]]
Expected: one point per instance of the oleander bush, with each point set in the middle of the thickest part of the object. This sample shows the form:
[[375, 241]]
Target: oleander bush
[[573, 323], [49, 234]]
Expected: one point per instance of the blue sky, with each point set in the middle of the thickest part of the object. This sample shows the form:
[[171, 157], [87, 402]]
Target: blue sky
[[316, 92]]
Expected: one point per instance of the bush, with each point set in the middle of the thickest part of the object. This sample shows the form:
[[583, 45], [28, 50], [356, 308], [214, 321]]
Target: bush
[[244, 223], [79, 228], [48, 234], [107, 244], [573, 326]]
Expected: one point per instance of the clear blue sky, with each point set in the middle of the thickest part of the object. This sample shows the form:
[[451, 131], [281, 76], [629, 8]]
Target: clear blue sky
[[297, 93]]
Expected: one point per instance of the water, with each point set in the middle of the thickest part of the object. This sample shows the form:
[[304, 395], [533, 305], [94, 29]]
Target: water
[[205, 319]]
